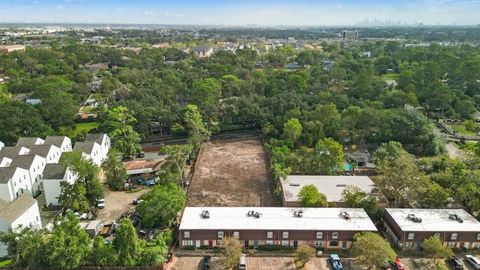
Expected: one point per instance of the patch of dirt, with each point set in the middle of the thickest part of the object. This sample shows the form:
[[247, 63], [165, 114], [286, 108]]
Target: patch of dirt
[[117, 203], [231, 173]]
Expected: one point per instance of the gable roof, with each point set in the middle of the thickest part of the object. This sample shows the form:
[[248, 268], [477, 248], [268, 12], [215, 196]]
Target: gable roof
[[24, 162], [40, 150], [10, 151], [84, 147], [17, 207], [54, 171], [27, 141], [97, 137], [55, 140], [6, 173]]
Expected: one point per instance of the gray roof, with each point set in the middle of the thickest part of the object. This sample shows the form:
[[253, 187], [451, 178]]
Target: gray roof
[[17, 207], [55, 140], [24, 162], [97, 137], [26, 141], [40, 150], [54, 171], [85, 147], [10, 151], [6, 173]]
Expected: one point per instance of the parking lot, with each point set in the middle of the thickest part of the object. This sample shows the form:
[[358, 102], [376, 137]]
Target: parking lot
[[118, 202], [254, 263]]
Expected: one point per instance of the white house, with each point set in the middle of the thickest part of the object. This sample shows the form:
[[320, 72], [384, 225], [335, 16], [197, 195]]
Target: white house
[[103, 140], [51, 153], [20, 213], [53, 175], [35, 165], [5, 161], [28, 141], [90, 151], [203, 52], [62, 142], [2, 145], [13, 183]]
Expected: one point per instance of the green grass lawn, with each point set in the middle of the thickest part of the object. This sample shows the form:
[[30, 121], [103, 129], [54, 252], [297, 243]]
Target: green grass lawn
[[390, 76], [6, 262], [462, 130]]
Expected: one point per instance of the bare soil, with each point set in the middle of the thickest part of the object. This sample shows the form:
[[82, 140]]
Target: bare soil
[[117, 203], [231, 173]]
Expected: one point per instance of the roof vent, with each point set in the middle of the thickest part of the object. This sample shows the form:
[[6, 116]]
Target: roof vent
[[341, 185], [414, 218], [298, 214], [205, 214], [455, 217], [345, 215], [294, 185], [257, 214]]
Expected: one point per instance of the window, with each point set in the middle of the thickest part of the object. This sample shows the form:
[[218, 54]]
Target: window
[[236, 235], [269, 235], [285, 243], [319, 235], [319, 243], [269, 243], [186, 234], [335, 235], [334, 243], [454, 236], [285, 235], [220, 235], [439, 235], [188, 243], [478, 236], [411, 236]]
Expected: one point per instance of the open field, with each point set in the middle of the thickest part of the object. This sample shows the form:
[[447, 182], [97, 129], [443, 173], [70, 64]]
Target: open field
[[231, 173]]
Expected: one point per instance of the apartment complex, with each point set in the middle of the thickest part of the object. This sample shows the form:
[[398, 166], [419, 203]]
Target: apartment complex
[[329, 228]]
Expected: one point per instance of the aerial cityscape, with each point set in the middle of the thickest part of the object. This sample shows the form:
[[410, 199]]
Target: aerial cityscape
[[263, 135]]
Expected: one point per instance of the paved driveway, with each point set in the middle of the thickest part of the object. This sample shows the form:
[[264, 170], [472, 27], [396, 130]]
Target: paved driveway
[[270, 263]]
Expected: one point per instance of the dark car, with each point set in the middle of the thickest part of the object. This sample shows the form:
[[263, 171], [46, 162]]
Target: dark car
[[141, 155], [206, 262], [335, 262], [455, 263]]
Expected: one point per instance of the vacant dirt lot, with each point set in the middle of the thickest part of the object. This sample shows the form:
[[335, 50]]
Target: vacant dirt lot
[[231, 173], [117, 203]]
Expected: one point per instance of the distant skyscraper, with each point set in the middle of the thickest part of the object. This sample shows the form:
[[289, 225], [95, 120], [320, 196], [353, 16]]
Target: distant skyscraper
[[349, 35]]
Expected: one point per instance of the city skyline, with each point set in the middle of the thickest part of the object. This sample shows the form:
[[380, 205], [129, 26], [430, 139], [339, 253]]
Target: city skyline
[[215, 12]]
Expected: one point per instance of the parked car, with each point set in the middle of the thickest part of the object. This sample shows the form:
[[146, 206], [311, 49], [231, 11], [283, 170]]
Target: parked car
[[81, 216], [150, 182], [206, 262], [242, 265], [141, 155], [335, 262], [397, 265], [101, 203], [455, 263], [473, 261], [137, 201]]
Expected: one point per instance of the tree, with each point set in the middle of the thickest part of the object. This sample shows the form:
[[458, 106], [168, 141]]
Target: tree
[[178, 155], [354, 197], [205, 94], [102, 254], [69, 244], [303, 254], [118, 123], [27, 247], [74, 196], [311, 197], [371, 250], [87, 176], [292, 130], [161, 205], [197, 131], [116, 174], [434, 248], [328, 155], [232, 249], [126, 243]]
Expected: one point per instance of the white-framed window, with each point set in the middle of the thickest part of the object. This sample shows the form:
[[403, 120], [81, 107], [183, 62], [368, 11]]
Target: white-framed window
[[285, 235], [319, 235], [269, 235], [186, 234], [478, 236], [188, 243], [437, 235], [454, 236], [319, 243], [220, 235], [285, 243], [269, 242], [236, 235], [334, 235], [410, 236]]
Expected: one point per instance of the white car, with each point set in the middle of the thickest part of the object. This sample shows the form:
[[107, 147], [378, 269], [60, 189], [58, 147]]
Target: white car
[[242, 265], [473, 261], [101, 203]]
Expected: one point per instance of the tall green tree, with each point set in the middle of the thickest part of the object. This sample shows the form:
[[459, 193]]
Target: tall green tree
[[436, 250], [371, 250], [197, 131], [126, 243], [161, 205], [232, 249], [311, 197], [102, 254], [116, 174], [292, 130], [328, 155], [178, 156]]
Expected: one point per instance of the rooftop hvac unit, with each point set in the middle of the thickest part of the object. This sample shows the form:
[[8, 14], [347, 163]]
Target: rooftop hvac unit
[[298, 214], [257, 214], [414, 218], [455, 217], [345, 215], [205, 214], [251, 213]]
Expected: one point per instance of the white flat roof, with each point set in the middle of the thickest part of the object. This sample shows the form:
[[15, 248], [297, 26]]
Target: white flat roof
[[434, 220], [276, 218], [331, 186]]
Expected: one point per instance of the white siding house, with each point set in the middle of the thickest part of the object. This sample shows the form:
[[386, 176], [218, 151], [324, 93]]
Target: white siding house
[[29, 141], [51, 153], [35, 165], [2, 145], [62, 142], [90, 151], [20, 213], [53, 176], [13, 183], [103, 140]]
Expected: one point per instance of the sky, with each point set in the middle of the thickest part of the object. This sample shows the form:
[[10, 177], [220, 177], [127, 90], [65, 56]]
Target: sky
[[241, 12]]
